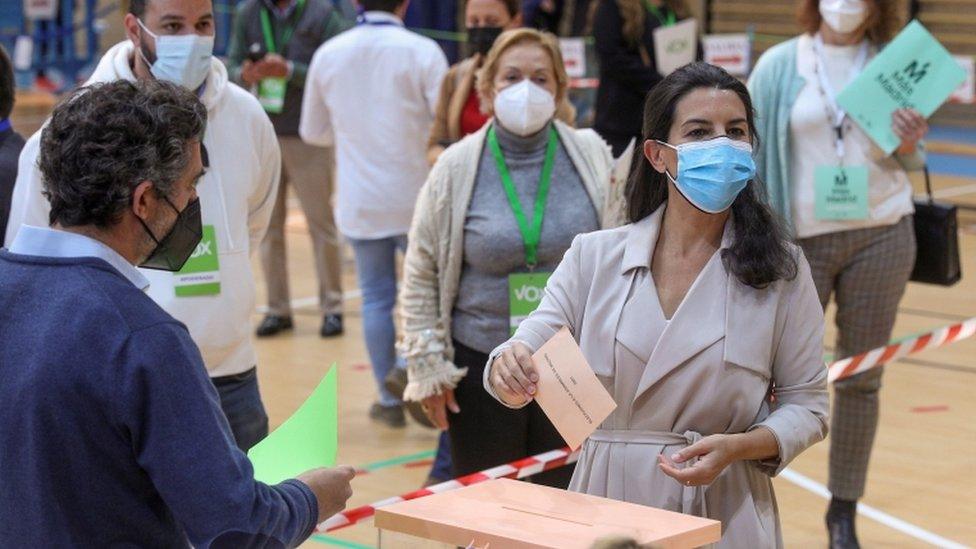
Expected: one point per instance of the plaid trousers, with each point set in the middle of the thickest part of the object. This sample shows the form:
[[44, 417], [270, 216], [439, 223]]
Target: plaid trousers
[[866, 271]]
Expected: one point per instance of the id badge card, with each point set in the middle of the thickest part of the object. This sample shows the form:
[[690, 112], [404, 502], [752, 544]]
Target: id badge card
[[841, 193], [200, 276], [271, 94], [525, 291]]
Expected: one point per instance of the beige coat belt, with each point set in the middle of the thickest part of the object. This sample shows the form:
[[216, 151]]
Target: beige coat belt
[[692, 497]]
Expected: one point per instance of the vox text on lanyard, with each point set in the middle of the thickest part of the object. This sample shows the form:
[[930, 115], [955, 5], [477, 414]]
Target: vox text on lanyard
[[525, 290]]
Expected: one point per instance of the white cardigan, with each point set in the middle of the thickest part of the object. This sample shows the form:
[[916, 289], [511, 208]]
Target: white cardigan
[[432, 268]]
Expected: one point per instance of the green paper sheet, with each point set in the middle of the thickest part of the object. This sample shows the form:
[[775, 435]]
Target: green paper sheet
[[913, 71], [306, 440]]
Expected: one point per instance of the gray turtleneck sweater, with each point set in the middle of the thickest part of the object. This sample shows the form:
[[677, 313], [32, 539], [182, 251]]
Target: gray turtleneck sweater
[[493, 245]]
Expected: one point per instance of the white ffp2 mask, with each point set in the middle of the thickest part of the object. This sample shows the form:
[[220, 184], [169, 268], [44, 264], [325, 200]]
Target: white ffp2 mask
[[524, 108], [844, 16], [183, 59]]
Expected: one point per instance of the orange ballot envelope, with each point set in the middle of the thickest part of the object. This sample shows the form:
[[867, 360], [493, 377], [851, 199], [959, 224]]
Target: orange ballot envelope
[[568, 390]]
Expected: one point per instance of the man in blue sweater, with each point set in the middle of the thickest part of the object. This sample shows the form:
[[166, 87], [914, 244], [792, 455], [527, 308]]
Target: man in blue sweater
[[111, 432]]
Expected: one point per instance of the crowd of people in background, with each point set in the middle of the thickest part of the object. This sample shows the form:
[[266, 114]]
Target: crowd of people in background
[[477, 174]]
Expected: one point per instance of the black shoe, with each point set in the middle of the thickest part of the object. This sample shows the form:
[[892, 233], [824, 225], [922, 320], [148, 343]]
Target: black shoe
[[396, 383], [840, 524], [331, 326], [391, 416], [272, 324]]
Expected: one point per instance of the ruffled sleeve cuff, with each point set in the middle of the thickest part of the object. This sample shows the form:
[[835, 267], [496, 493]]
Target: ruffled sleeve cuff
[[428, 370]]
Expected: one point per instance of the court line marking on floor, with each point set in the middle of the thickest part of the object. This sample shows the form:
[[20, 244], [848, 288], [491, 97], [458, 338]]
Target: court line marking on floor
[[311, 301], [339, 542], [950, 192], [399, 460], [938, 365], [931, 314], [876, 515]]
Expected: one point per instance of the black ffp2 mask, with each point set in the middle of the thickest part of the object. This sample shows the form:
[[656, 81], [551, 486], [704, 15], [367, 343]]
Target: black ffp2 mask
[[177, 246], [480, 39]]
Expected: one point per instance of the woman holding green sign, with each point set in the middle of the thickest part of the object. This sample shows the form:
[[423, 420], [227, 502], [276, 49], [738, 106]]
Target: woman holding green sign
[[849, 205], [498, 211]]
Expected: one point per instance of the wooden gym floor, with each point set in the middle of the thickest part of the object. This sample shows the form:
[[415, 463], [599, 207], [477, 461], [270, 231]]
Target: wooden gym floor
[[920, 480]]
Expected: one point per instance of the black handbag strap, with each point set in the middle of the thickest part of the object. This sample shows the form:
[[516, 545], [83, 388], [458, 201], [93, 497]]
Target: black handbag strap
[[928, 183]]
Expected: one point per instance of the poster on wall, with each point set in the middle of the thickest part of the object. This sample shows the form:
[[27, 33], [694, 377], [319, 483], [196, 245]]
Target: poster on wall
[[40, 9], [732, 52], [574, 56]]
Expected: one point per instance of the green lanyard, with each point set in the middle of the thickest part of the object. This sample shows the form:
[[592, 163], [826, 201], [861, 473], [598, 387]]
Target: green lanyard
[[530, 233], [656, 12], [269, 40]]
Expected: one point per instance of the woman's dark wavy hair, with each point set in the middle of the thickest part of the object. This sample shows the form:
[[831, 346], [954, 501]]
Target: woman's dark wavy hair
[[760, 253]]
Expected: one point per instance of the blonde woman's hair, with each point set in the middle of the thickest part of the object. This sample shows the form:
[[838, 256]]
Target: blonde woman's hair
[[489, 68]]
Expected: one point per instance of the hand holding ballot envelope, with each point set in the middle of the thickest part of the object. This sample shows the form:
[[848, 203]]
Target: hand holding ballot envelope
[[558, 377]]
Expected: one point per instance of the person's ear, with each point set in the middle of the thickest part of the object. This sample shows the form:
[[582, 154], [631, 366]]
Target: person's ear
[[402, 10], [656, 154], [143, 200], [132, 30], [515, 23]]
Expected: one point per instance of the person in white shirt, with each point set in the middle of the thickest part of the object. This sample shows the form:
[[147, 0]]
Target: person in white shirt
[[213, 294], [372, 92]]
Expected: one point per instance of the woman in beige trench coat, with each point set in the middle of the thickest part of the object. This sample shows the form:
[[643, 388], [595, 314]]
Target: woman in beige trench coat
[[699, 318]]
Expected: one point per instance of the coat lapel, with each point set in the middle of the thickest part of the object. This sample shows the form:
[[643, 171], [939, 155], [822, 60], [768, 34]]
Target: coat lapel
[[750, 326], [698, 323]]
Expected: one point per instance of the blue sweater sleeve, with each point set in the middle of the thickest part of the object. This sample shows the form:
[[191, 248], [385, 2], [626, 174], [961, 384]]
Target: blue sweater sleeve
[[179, 436]]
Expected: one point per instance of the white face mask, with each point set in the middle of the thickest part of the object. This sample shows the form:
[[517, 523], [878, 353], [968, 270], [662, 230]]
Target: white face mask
[[843, 16], [524, 108], [183, 59]]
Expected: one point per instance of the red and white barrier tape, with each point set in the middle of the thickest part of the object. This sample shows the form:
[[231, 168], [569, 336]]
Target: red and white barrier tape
[[882, 355], [517, 469], [558, 458]]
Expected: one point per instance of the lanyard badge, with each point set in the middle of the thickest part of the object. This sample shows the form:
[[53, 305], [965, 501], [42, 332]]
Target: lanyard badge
[[526, 289]]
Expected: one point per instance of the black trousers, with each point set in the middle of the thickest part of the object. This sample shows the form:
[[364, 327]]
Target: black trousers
[[486, 433]]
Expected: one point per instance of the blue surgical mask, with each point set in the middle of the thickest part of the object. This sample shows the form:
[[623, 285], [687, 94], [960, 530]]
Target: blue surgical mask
[[712, 173], [183, 59]]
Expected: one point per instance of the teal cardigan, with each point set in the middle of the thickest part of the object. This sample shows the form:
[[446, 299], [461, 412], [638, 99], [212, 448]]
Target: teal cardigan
[[774, 86]]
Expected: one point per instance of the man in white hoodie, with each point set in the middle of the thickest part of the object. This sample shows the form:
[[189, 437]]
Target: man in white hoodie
[[214, 292]]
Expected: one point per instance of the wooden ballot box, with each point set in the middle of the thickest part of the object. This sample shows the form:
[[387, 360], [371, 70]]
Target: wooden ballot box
[[503, 513]]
